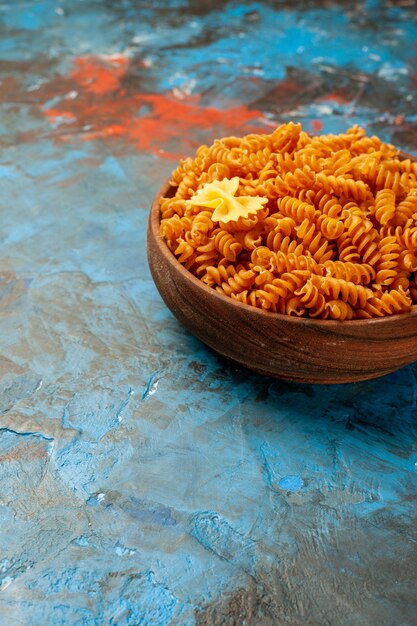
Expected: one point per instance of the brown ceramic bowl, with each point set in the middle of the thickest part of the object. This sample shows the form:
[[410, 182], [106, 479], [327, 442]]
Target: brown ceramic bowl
[[292, 348]]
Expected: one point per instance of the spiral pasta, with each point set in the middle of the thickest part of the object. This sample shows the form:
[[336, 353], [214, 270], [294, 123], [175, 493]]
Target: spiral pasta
[[329, 230]]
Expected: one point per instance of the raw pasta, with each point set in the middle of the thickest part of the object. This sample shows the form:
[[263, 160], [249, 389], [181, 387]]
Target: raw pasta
[[323, 226]]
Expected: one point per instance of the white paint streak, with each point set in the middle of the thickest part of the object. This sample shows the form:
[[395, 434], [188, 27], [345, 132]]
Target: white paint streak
[[154, 388]]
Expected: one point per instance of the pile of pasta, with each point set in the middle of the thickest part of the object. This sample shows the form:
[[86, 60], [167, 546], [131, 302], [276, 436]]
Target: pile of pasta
[[335, 237]]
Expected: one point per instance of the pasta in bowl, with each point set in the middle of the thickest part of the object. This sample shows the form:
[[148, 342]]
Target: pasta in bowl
[[293, 255]]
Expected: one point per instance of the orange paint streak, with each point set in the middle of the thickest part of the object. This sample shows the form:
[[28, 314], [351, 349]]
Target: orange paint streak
[[316, 125], [336, 98], [103, 109], [54, 114], [99, 76], [113, 130], [167, 120]]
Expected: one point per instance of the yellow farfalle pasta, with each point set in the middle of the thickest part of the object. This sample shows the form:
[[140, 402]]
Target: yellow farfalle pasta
[[322, 227]]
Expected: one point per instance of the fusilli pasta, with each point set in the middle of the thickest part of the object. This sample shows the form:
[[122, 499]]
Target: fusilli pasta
[[332, 232]]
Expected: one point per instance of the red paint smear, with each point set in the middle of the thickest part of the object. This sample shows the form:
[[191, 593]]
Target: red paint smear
[[159, 123], [336, 97], [99, 76], [316, 125], [54, 115], [168, 118], [288, 90]]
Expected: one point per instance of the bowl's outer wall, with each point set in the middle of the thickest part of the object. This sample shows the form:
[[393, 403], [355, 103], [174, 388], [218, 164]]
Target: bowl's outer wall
[[315, 351]]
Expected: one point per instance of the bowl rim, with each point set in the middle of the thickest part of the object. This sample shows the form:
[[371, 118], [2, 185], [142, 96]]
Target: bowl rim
[[154, 223]]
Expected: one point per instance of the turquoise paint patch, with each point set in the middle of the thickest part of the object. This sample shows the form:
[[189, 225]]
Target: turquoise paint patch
[[9, 171], [112, 168], [291, 483]]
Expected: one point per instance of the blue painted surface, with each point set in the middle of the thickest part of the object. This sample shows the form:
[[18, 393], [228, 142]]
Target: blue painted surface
[[143, 479]]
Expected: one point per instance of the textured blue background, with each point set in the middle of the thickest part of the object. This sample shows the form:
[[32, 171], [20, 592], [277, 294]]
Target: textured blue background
[[143, 479]]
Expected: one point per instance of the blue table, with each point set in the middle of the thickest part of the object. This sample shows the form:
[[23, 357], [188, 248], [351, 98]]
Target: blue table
[[143, 479]]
